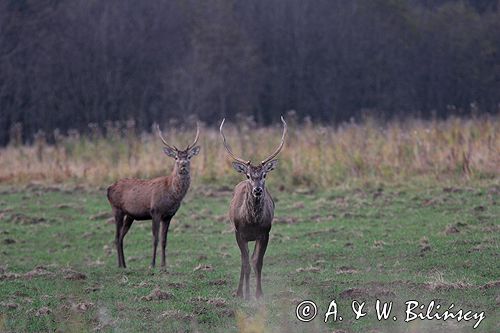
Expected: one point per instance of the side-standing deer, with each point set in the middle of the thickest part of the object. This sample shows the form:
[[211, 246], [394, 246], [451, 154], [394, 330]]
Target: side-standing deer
[[155, 199], [252, 212]]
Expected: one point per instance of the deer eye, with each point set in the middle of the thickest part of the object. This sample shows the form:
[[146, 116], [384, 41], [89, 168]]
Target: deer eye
[[264, 175], [248, 177]]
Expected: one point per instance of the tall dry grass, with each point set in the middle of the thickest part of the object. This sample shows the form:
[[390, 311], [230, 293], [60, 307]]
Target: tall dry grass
[[314, 155]]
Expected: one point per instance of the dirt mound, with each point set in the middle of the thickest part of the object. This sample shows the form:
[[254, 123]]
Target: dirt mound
[[157, 295], [9, 305], [346, 270], [37, 272], [451, 229], [308, 269], [203, 267], [70, 274], [43, 311], [491, 284], [83, 307], [204, 304], [9, 276], [218, 282], [177, 314], [25, 219], [219, 302]]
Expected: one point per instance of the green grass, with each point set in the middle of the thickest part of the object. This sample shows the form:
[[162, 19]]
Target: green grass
[[375, 240]]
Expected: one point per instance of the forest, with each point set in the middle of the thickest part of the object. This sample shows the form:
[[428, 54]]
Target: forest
[[77, 64]]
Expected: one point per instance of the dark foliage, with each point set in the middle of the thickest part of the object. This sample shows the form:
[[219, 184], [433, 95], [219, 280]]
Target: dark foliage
[[65, 64]]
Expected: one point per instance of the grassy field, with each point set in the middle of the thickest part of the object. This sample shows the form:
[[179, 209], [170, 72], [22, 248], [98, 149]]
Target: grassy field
[[395, 243]]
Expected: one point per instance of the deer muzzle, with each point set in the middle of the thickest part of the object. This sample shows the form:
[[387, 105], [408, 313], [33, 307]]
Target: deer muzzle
[[257, 192]]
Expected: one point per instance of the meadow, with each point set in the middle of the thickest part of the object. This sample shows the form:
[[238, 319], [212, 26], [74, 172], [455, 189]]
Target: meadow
[[396, 212], [317, 157]]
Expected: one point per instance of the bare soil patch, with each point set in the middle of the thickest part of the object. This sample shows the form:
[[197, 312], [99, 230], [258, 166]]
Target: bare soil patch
[[157, 295], [25, 219], [37, 272], [203, 268], [70, 274]]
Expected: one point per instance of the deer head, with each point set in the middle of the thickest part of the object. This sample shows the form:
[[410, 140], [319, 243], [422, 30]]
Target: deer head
[[182, 157], [256, 174]]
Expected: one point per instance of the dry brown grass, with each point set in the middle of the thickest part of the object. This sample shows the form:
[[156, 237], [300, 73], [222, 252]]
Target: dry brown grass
[[314, 156]]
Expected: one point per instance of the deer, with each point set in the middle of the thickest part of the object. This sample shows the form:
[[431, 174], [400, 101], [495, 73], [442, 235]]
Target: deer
[[251, 212], [155, 199]]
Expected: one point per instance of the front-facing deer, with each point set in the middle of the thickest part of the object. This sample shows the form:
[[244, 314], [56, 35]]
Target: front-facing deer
[[252, 212], [155, 199]]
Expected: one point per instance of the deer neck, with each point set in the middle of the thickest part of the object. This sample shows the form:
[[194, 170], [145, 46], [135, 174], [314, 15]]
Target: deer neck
[[179, 184], [255, 206]]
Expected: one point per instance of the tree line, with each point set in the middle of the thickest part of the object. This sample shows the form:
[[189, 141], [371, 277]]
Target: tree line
[[65, 64]]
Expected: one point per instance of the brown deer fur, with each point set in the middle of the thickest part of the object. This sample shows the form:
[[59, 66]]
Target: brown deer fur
[[252, 212], [252, 218], [155, 199]]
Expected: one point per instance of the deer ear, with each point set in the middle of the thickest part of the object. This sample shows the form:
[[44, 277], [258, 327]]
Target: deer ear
[[240, 167], [271, 165], [193, 151], [170, 152]]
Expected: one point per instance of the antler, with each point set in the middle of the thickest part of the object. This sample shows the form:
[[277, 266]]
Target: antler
[[273, 155], [196, 138], [165, 141], [227, 146], [174, 147]]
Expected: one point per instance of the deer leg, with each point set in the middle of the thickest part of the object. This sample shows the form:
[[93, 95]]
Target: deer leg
[[254, 257], [156, 231], [164, 231], [125, 228], [118, 223], [245, 267], [258, 260]]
